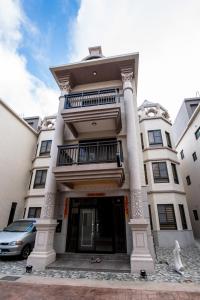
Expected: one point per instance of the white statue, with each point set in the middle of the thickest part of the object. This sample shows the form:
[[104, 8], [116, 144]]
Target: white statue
[[177, 259]]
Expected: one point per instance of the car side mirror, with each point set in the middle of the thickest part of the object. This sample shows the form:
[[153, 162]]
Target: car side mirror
[[34, 229]]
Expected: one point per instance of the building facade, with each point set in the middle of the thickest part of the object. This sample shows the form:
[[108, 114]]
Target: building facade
[[188, 147], [104, 177], [95, 196]]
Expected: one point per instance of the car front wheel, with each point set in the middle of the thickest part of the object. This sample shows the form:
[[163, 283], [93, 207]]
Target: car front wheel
[[25, 252]]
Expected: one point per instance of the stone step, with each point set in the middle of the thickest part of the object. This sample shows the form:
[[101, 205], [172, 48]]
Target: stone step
[[89, 256], [87, 262]]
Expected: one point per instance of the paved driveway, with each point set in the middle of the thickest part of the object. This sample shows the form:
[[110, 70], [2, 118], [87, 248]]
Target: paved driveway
[[34, 288]]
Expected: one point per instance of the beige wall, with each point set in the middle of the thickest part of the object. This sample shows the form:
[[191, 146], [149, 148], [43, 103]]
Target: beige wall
[[153, 154], [189, 167], [69, 138], [165, 193], [35, 196], [17, 146]]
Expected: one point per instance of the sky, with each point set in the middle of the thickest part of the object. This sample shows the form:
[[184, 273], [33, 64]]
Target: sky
[[37, 34]]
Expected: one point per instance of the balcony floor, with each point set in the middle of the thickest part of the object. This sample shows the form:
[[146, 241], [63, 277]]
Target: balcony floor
[[72, 175]]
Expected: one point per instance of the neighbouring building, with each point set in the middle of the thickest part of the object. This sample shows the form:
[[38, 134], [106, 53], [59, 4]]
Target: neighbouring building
[[168, 209], [188, 147], [34, 122], [185, 112], [104, 177], [18, 141]]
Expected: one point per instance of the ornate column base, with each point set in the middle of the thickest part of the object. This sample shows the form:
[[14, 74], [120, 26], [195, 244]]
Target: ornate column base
[[141, 258], [43, 253]]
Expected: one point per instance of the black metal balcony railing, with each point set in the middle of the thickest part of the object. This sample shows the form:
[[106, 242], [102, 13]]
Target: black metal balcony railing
[[100, 97], [86, 153]]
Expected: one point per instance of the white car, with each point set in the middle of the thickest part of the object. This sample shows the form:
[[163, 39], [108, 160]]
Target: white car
[[18, 238]]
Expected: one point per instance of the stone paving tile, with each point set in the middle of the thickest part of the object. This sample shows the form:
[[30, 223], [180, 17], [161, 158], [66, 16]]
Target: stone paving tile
[[20, 291], [164, 271]]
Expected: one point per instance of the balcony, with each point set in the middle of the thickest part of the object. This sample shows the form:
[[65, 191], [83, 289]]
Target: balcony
[[90, 163], [93, 111]]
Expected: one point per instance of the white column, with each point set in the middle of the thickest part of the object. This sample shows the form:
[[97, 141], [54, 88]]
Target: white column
[[140, 257], [43, 253]]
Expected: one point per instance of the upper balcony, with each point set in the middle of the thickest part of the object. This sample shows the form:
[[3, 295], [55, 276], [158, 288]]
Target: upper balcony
[[90, 163], [93, 111]]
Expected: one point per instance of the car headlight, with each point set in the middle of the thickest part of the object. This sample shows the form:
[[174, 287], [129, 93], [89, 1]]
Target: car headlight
[[15, 243]]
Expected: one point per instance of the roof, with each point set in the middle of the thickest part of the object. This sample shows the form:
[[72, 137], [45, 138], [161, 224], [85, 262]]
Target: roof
[[5, 105], [147, 104], [96, 69]]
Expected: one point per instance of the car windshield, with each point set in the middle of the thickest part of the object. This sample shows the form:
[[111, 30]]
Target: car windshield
[[19, 226]]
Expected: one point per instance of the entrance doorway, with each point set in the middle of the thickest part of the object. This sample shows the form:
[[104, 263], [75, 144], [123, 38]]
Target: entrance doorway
[[96, 225]]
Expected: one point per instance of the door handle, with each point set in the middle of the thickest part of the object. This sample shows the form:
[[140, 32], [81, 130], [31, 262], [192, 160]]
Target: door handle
[[97, 228], [92, 228]]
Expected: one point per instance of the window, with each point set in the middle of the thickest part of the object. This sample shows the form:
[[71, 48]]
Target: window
[[182, 214], [45, 147], [197, 133], [12, 212], [194, 155], [142, 141], [40, 179], [145, 174], [150, 217], [30, 123], [182, 154], [195, 213], [29, 186], [175, 175], [34, 212], [169, 143], [166, 217], [59, 226], [36, 149], [160, 172], [193, 107], [188, 180], [155, 138]]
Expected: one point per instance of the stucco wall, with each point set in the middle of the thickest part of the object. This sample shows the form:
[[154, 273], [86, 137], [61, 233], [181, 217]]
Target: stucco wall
[[189, 144], [35, 196], [165, 193], [17, 146]]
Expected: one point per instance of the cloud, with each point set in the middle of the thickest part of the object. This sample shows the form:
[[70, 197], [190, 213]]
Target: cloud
[[166, 33], [24, 92]]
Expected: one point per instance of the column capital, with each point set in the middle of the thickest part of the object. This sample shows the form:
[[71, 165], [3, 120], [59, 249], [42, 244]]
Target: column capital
[[127, 74], [65, 85], [127, 78]]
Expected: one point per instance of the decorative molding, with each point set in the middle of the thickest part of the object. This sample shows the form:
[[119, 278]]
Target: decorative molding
[[49, 204], [65, 84], [166, 191], [33, 196], [136, 204], [39, 168], [162, 159], [127, 76], [154, 118], [159, 148]]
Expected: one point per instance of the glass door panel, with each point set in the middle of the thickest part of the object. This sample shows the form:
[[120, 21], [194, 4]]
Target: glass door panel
[[104, 227], [86, 229]]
